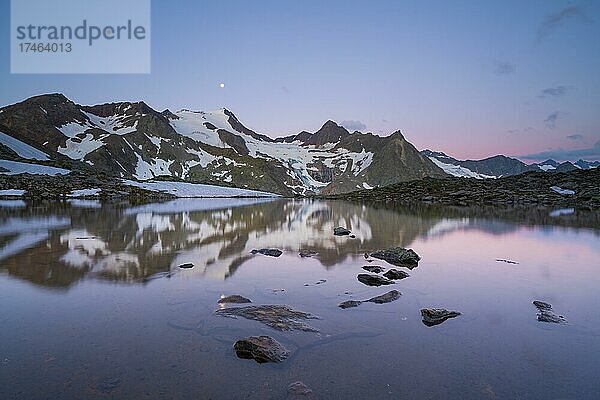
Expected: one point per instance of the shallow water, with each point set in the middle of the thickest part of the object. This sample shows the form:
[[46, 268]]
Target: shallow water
[[93, 304]]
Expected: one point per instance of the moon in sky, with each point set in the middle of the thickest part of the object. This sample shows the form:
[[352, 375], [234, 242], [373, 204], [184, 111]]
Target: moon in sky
[[221, 85]]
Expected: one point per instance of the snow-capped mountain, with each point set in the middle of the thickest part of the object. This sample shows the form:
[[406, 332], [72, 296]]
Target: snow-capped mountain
[[499, 166], [134, 141]]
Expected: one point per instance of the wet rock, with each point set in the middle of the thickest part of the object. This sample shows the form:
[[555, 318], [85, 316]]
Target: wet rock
[[340, 231], [299, 390], [234, 298], [376, 269], [268, 252], [506, 261], [186, 266], [546, 314], [349, 304], [262, 349], [307, 253], [396, 274], [435, 316], [388, 297], [280, 317], [373, 280], [398, 256]]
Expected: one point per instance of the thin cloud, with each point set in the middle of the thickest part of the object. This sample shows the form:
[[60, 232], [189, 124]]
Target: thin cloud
[[353, 125], [575, 136], [556, 91], [504, 68], [553, 21], [551, 119], [561, 154]]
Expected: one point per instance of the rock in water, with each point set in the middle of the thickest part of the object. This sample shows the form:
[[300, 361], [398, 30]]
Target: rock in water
[[373, 280], [388, 297], [261, 348], [186, 266], [349, 304], [340, 231], [282, 318], [546, 314], [396, 274], [376, 269], [234, 298], [307, 253], [398, 256], [299, 390], [268, 252], [435, 316]]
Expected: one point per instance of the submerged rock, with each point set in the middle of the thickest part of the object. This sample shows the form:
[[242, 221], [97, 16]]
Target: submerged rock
[[307, 253], [398, 256], [388, 297], [373, 280], [268, 252], [234, 298], [280, 317], [374, 268], [186, 266], [396, 274], [546, 314], [435, 316], [340, 231], [299, 390], [261, 348]]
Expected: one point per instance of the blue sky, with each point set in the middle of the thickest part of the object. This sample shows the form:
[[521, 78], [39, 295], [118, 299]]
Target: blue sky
[[471, 78]]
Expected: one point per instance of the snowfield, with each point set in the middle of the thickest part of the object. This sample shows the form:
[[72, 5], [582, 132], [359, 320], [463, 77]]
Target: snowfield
[[560, 190], [457, 170], [184, 189], [22, 149], [15, 167]]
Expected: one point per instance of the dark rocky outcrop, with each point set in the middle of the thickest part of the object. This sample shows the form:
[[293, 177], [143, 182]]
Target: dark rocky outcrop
[[376, 269], [234, 298], [373, 280], [262, 349], [435, 316], [280, 317]]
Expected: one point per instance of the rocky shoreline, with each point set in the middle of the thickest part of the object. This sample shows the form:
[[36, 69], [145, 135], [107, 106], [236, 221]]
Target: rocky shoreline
[[576, 189]]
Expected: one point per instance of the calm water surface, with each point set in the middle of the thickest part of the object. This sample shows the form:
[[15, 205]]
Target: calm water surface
[[93, 304]]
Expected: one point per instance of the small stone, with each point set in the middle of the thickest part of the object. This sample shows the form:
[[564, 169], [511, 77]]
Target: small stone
[[340, 231], [268, 252], [349, 304], [396, 274], [388, 297], [398, 256], [262, 349], [307, 253], [373, 280], [280, 317], [234, 298], [541, 305], [186, 266], [299, 390]]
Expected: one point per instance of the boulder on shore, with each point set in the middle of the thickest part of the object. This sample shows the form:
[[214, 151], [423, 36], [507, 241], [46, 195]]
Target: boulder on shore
[[398, 256], [262, 349]]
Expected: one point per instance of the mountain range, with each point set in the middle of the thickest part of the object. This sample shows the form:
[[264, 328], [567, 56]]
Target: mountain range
[[131, 140]]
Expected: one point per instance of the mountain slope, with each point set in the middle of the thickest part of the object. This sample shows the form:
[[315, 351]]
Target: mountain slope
[[133, 141]]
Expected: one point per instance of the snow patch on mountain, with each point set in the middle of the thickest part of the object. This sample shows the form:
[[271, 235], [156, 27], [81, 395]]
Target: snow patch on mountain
[[16, 167], [22, 149], [184, 189], [457, 170]]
